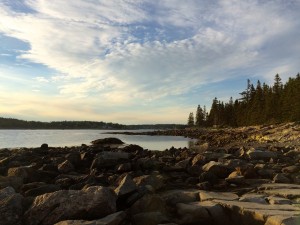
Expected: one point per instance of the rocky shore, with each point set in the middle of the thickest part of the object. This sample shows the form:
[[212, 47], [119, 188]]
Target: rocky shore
[[243, 176]]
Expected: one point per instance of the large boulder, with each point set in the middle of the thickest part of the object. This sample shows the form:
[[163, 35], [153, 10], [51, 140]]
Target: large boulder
[[107, 141], [25, 172], [15, 182], [65, 167], [260, 154], [109, 159], [10, 207], [217, 168], [126, 186], [92, 203]]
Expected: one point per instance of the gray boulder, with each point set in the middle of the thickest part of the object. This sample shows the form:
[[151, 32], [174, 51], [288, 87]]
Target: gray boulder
[[10, 207], [92, 203]]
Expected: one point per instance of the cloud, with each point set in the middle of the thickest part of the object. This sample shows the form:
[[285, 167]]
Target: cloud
[[125, 52]]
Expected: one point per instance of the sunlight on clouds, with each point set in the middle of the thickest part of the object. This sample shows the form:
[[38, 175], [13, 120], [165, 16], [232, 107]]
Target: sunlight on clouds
[[125, 52]]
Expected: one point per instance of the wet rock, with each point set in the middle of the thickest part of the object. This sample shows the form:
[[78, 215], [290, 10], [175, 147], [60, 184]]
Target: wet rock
[[92, 203], [10, 207]]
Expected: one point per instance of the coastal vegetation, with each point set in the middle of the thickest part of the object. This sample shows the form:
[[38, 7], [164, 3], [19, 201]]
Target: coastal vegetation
[[259, 104], [10, 123]]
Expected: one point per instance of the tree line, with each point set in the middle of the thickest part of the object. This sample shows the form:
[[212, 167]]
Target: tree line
[[11, 123], [258, 104]]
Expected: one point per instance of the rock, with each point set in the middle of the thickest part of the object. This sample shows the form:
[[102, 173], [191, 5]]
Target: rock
[[173, 197], [74, 158], [253, 197], [15, 182], [124, 167], [42, 190], [126, 186], [107, 141], [199, 160], [150, 218], [260, 154], [65, 167], [281, 178], [25, 172], [148, 203], [148, 163], [235, 178], [202, 213], [290, 191], [216, 168], [283, 220], [208, 195], [257, 213], [112, 219], [92, 203], [291, 169], [208, 177], [44, 147], [156, 181], [109, 159], [132, 148], [10, 207], [273, 200]]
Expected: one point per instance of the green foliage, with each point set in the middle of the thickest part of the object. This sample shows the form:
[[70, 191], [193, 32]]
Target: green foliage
[[261, 104], [191, 120], [8, 123]]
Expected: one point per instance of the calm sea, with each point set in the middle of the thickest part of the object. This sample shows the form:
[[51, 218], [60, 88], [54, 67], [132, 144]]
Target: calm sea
[[62, 138]]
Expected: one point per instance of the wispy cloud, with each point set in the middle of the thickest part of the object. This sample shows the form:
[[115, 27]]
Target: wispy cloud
[[126, 51]]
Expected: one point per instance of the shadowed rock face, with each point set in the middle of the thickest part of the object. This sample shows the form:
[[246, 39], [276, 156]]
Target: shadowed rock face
[[94, 202], [238, 183]]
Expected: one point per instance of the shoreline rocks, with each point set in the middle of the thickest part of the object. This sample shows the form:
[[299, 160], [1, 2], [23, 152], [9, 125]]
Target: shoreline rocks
[[107, 183]]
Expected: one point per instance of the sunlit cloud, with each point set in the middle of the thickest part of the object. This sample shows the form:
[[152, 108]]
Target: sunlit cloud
[[127, 53]]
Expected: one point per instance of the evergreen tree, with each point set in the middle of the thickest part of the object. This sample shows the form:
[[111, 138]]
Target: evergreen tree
[[199, 117], [262, 104], [191, 121]]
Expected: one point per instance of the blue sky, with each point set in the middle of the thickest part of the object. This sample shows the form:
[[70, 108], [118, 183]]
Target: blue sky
[[139, 61]]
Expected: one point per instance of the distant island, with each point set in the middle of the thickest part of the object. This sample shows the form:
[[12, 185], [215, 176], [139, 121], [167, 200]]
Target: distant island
[[11, 123]]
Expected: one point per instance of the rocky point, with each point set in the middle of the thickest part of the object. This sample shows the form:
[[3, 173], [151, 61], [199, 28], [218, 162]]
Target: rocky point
[[231, 176]]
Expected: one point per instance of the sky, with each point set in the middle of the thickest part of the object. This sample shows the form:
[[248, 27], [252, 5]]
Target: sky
[[139, 61]]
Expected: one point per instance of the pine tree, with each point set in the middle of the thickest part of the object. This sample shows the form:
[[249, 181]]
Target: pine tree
[[191, 121], [199, 117]]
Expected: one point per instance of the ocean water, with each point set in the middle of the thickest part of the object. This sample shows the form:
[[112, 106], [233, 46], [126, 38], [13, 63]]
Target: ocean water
[[62, 138]]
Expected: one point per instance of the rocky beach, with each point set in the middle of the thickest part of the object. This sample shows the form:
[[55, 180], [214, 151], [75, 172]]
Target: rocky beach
[[232, 176]]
